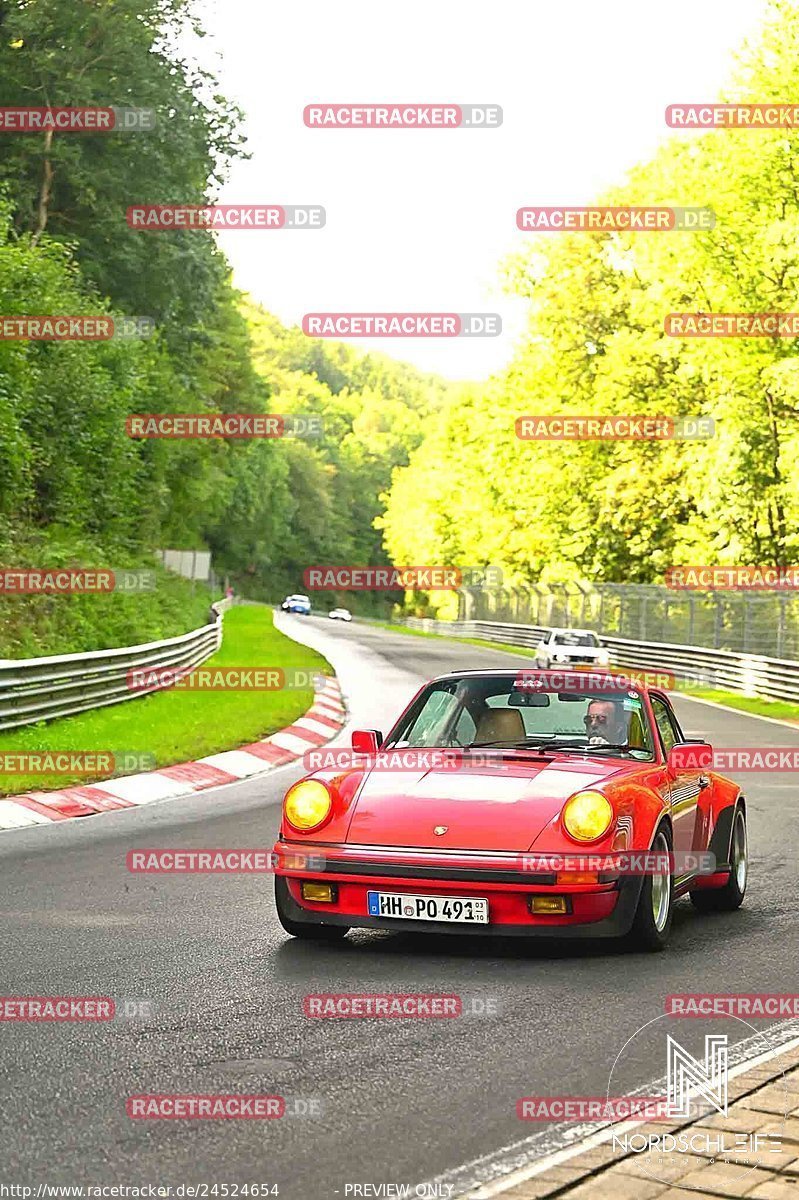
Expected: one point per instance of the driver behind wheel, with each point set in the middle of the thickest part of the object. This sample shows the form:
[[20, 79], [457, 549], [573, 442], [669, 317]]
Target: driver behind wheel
[[606, 723]]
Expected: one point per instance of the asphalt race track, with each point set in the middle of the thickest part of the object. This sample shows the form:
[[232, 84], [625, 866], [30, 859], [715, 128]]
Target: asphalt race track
[[401, 1100]]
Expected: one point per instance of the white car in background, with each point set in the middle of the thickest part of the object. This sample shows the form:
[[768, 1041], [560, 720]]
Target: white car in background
[[340, 614], [297, 603], [565, 647]]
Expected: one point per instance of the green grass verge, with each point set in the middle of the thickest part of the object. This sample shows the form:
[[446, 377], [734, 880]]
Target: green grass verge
[[176, 725], [781, 710]]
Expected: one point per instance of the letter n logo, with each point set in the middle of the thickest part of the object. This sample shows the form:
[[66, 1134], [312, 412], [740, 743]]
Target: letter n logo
[[687, 1076]]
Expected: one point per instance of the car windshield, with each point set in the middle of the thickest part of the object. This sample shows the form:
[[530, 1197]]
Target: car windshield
[[519, 711], [575, 639]]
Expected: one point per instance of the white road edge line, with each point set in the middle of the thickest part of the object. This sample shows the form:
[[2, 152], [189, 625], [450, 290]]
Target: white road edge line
[[495, 1188]]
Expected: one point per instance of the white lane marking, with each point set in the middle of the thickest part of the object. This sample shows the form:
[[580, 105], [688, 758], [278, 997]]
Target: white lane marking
[[147, 787], [237, 763], [17, 816], [507, 1167]]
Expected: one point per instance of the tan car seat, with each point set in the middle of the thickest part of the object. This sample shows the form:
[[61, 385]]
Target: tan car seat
[[499, 725], [635, 733]]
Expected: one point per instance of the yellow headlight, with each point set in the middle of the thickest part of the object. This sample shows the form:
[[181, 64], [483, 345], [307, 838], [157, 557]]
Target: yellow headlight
[[307, 804], [587, 815]]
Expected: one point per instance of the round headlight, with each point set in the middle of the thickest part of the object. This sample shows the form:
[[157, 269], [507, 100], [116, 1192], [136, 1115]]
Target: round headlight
[[307, 804], [587, 816]]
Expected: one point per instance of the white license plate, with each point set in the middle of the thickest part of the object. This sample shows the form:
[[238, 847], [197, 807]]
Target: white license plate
[[458, 909]]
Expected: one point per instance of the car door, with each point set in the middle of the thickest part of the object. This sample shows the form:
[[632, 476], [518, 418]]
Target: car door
[[684, 790]]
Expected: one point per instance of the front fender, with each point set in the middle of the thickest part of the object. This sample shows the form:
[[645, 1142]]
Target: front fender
[[638, 805]]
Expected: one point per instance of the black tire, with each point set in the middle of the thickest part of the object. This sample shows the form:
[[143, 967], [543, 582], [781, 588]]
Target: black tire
[[652, 922], [729, 897], [303, 929]]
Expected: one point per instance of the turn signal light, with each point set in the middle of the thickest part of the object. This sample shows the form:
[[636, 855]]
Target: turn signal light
[[548, 904], [564, 878], [322, 893]]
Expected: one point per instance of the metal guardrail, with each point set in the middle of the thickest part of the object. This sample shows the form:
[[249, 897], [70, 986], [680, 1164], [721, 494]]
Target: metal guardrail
[[40, 689], [749, 674]]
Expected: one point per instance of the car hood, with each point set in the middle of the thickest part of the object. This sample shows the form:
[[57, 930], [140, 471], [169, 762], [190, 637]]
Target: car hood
[[487, 808]]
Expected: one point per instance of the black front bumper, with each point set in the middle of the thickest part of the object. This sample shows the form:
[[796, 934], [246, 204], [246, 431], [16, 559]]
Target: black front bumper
[[614, 926]]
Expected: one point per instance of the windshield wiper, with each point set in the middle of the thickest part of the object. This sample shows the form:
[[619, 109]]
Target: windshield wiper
[[503, 745], [586, 749]]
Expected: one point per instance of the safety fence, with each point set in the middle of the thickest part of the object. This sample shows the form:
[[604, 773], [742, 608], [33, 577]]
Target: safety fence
[[749, 622]]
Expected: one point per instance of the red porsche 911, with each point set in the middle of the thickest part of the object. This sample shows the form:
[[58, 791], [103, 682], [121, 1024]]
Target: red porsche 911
[[519, 803]]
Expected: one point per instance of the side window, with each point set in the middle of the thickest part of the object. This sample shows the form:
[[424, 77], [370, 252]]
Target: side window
[[436, 714], [669, 729], [465, 729]]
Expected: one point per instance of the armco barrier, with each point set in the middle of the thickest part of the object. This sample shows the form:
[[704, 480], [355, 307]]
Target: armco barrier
[[749, 674], [39, 689]]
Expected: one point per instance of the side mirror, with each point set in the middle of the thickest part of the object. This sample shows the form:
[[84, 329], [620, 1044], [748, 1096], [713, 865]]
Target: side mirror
[[690, 756], [366, 741]]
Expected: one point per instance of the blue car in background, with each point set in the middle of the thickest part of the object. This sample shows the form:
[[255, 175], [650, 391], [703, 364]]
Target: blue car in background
[[297, 604]]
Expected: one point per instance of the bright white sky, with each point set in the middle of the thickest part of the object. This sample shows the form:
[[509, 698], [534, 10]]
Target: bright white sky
[[419, 220]]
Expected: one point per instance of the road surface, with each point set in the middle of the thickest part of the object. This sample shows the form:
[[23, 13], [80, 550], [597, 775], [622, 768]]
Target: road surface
[[403, 1100]]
